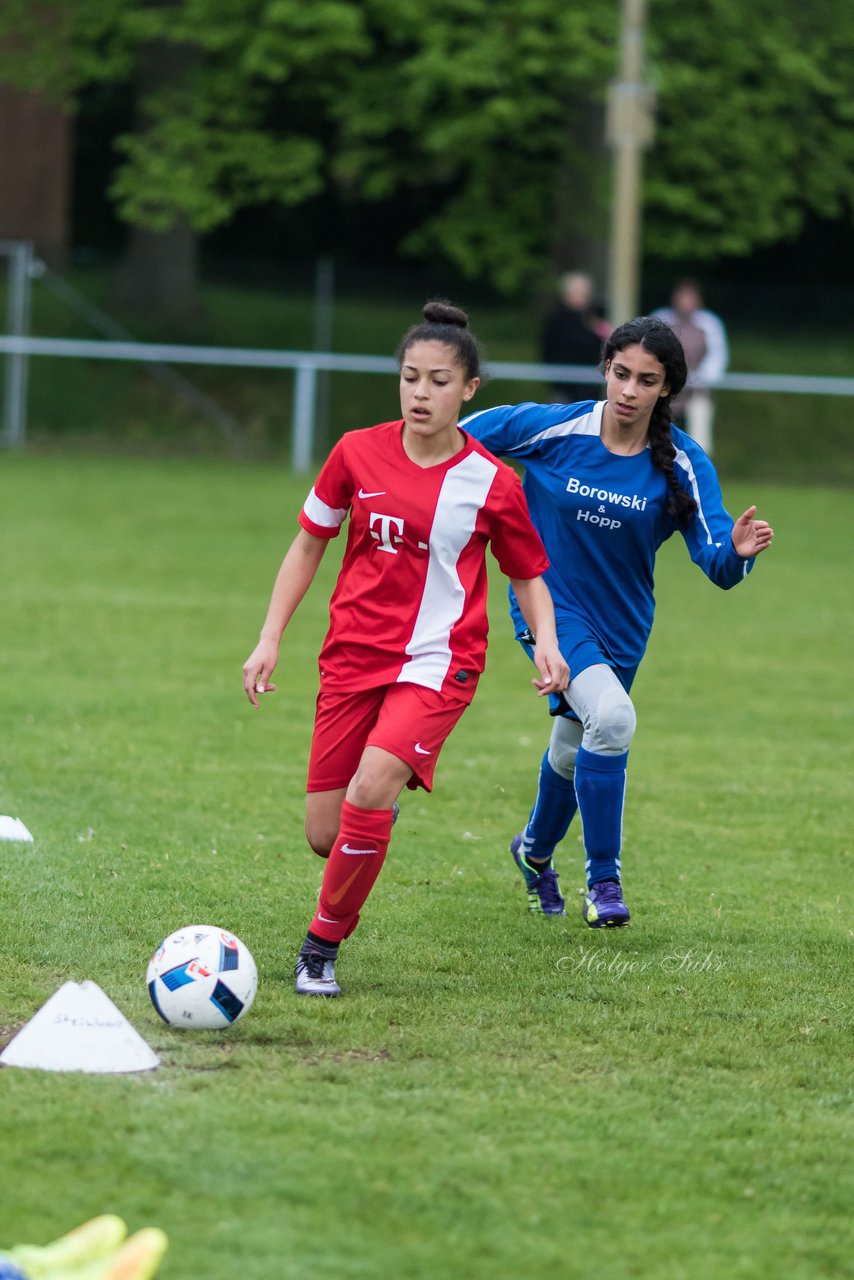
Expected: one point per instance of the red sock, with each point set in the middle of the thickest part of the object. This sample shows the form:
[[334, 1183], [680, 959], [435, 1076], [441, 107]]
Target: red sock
[[351, 869]]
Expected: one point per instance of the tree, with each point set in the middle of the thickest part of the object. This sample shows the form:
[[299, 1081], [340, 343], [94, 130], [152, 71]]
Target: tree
[[755, 120], [207, 79], [486, 99], [490, 109], [370, 97], [285, 98]]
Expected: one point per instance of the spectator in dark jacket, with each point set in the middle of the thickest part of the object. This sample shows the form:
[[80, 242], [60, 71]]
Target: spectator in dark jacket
[[569, 336]]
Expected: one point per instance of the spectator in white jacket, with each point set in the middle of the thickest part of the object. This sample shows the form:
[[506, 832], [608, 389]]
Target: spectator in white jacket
[[704, 340]]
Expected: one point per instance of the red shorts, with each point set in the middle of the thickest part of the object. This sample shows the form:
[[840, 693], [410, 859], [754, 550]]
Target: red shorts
[[407, 720]]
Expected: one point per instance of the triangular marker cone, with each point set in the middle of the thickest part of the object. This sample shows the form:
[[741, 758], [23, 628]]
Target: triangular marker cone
[[13, 829], [79, 1029]]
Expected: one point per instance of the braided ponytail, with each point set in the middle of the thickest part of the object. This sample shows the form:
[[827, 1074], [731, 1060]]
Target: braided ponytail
[[660, 341], [662, 451]]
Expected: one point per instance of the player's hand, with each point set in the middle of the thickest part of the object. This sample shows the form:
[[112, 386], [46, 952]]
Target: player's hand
[[750, 536], [258, 668], [554, 673]]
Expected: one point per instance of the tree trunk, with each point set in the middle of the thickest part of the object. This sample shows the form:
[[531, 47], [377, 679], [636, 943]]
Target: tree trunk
[[580, 237], [159, 272]]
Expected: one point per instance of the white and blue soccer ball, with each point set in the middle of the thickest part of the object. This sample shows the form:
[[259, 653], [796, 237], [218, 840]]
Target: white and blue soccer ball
[[202, 978]]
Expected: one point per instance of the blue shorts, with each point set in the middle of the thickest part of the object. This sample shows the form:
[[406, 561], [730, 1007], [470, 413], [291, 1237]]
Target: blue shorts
[[581, 650]]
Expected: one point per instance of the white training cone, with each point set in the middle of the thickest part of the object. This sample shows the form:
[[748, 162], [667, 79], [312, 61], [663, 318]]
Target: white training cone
[[79, 1029], [13, 829]]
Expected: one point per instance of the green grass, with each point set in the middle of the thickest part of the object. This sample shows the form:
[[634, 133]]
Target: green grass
[[766, 437], [497, 1096]]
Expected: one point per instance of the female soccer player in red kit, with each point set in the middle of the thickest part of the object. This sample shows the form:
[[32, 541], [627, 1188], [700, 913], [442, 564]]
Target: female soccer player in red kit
[[408, 626]]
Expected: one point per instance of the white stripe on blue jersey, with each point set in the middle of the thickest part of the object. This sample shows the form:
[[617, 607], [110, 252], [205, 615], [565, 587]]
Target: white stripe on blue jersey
[[579, 424]]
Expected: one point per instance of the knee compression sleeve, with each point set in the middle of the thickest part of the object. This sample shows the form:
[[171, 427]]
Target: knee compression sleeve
[[605, 709], [614, 725], [563, 746]]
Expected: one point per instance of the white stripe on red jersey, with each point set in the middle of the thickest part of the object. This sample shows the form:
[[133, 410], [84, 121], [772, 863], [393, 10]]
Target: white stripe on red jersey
[[319, 513], [462, 497]]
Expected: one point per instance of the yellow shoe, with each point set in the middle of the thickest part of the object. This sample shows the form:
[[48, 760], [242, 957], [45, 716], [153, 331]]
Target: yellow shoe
[[86, 1243], [97, 1250]]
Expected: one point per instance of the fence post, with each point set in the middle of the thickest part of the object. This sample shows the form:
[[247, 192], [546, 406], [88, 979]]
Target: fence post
[[17, 325], [324, 314], [305, 395]]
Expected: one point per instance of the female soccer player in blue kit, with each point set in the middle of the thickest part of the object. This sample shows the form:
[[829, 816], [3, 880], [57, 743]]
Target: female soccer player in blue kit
[[607, 483]]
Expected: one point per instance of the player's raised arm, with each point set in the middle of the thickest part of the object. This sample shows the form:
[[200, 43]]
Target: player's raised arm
[[294, 578]]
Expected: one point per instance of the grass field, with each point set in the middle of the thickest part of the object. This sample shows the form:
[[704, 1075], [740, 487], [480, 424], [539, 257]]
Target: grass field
[[497, 1096]]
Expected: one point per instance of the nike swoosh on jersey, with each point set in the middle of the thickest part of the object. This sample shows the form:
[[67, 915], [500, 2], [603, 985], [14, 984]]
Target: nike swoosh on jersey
[[345, 848], [378, 493], [422, 751]]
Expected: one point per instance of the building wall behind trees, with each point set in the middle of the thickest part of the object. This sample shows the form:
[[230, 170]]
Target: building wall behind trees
[[35, 164]]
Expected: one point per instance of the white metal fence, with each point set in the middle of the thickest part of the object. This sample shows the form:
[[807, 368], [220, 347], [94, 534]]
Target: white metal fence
[[18, 347], [308, 364]]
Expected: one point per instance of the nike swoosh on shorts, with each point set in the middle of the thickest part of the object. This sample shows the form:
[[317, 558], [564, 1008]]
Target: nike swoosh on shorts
[[422, 751]]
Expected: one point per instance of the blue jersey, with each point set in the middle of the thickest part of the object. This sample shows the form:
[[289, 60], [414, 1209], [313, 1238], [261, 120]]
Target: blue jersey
[[602, 517]]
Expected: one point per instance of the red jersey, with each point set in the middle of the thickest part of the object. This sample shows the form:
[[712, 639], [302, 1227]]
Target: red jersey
[[410, 601]]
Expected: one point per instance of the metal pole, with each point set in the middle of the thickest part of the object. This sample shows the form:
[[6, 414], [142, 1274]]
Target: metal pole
[[630, 129], [17, 324], [324, 315], [305, 393]]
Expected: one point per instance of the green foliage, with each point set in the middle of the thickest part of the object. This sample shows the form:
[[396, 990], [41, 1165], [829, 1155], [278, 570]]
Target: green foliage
[[755, 124], [55, 48], [496, 1096], [477, 103], [183, 166], [473, 112]]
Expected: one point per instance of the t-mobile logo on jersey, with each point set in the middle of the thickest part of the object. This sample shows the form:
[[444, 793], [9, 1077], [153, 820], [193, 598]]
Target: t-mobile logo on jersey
[[384, 535]]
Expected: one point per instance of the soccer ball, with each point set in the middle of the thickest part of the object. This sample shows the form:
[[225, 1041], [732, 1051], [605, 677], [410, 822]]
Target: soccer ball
[[202, 977]]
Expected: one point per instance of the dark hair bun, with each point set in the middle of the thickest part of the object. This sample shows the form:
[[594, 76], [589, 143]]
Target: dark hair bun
[[443, 313]]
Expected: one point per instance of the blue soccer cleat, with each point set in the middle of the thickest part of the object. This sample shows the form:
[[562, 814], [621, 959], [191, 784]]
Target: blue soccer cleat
[[544, 897], [603, 906]]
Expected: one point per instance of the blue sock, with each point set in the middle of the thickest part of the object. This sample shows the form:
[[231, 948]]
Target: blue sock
[[551, 815], [600, 784]]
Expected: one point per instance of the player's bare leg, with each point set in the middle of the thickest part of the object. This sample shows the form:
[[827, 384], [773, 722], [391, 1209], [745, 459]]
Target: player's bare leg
[[323, 818]]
